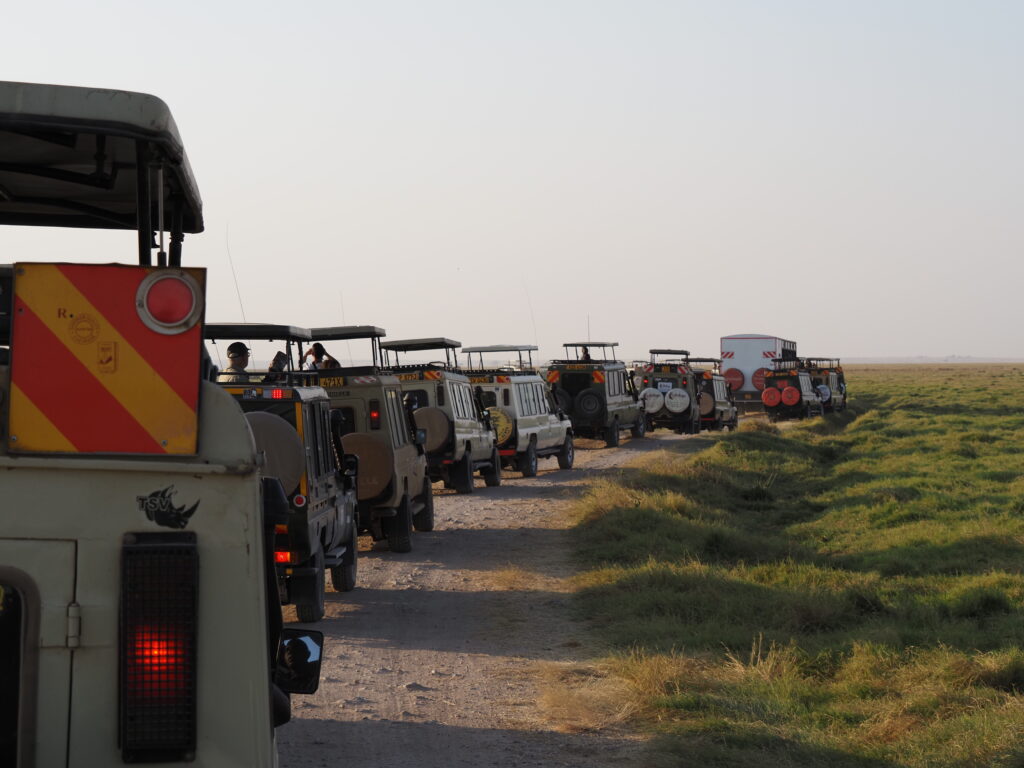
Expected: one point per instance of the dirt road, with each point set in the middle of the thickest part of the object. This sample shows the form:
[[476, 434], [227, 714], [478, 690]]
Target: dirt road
[[432, 662]]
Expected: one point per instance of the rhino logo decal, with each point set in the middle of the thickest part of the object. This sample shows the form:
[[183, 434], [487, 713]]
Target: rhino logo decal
[[159, 507]]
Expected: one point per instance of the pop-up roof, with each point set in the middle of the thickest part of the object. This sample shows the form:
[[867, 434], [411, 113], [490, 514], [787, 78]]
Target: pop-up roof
[[267, 331], [70, 157]]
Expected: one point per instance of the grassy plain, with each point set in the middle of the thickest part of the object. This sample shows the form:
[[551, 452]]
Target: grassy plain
[[846, 592]]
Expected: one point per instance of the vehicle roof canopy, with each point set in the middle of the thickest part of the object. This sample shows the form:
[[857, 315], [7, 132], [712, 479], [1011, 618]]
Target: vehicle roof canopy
[[680, 352], [347, 333], [70, 157], [502, 348], [592, 344], [419, 345], [714, 360], [242, 331]]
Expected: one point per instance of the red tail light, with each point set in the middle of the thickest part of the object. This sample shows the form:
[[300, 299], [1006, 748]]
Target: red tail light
[[277, 394], [375, 414], [299, 500], [282, 557], [169, 301], [159, 609]]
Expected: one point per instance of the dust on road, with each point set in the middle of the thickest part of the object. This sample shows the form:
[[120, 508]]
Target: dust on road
[[432, 661]]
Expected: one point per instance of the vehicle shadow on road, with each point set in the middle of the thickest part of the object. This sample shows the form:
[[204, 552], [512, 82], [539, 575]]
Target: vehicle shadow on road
[[399, 744]]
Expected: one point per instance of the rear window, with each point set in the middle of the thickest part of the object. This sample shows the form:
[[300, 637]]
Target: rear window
[[10, 672]]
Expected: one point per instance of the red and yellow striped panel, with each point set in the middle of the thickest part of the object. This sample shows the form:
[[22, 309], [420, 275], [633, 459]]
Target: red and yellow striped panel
[[554, 376], [88, 376], [598, 377], [432, 375]]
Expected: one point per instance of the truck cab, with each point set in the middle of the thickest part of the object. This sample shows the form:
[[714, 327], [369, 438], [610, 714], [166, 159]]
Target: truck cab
[[138, 611]]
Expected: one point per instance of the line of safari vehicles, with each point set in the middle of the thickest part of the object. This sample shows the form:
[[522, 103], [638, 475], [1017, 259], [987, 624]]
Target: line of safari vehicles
[[153, 519]]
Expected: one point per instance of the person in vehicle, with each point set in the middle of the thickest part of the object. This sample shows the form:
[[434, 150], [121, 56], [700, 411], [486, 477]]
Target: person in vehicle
[[276, 368], [238, 361], [585, 355], [321, 360]]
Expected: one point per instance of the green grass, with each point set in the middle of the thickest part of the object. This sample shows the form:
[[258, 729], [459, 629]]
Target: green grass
[[845, 592]]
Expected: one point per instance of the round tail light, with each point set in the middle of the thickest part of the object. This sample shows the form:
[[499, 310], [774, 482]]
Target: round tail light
[[169, 301], [771, 397], [790, 396]]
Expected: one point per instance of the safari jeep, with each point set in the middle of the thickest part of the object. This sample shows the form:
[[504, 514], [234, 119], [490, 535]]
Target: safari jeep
[[527, 422], [716, 403], [789, 392], [670, 392], [286, 410], [369, 420], [596, 393], [829, 381], [139, 619], [459, 436]]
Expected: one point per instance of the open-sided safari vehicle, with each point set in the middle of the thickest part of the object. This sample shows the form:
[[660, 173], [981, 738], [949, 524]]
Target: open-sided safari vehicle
[[369, 420], [716, 402], [596, 392], [459, 437], [670, 391], [528, 423], [290, 413], [136, 583], [789, 392]]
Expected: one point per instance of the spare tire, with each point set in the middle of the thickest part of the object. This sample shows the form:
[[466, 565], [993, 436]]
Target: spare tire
[[652, 400], [504, 426], [757, 379], [790, 396], [824, 392], [707, 403], [277, 440], [734, 378], [376, 462], [437, 424], [771, 397], [677, 400], [589, 404], [564, 399]]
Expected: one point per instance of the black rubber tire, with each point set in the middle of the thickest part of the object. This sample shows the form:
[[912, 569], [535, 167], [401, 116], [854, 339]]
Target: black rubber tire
[[564, 400], [527, 461], [589, 404], [343, 577], [311, 612], [492, 476], [461, 473], [567, 455], [611, 435], [399, 528], [639, 428], [424, 519]]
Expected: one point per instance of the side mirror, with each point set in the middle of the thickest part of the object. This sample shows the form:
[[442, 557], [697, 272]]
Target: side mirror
[[420, 437], [298, 660], [350, 464]]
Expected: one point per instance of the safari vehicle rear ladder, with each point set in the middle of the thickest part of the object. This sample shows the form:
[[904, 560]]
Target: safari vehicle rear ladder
[[510, 369]]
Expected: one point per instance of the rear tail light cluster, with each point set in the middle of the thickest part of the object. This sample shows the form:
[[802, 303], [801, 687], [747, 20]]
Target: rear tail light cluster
[[375, 414], [159, 611], [169, 301]]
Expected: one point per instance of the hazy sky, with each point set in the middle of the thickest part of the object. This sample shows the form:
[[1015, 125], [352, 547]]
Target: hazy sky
[[846, 174]]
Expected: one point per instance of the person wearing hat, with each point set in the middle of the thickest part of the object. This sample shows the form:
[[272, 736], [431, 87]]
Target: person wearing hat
[[238, 360]]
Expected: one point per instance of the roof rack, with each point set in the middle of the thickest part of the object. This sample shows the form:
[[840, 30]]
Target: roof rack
[[289, 334], [581, 347], [680, 352], [517, 348]]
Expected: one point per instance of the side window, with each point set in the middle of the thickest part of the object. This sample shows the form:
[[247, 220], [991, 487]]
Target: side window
[[324, 426], [538, 391], [312, 430], [396, 418], [534, 404], [506, 396], [440, 395]]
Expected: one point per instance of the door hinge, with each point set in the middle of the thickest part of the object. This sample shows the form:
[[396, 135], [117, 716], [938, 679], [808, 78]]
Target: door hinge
[[74, 625]]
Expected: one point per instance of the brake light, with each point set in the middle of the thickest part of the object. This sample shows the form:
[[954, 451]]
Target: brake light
[[375, 414], [646, 381], [282, 557], [277, 394], [159, 610], [280, 528]]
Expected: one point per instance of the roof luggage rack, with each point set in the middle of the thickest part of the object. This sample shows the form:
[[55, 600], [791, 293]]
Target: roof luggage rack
[[289, 334], [391, 350], [519, 349]]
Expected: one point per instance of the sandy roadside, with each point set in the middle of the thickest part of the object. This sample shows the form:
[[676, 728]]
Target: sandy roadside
[[432, 661]]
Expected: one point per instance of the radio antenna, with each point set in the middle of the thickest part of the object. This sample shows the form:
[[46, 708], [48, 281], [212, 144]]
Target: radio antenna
[[231, 263]]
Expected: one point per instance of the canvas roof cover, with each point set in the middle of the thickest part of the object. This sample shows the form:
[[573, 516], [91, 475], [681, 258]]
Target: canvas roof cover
[[347, 333], [68, 157]]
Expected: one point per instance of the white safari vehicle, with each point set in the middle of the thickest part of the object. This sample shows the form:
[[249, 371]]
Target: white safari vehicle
[[139, 620], [527, 421]]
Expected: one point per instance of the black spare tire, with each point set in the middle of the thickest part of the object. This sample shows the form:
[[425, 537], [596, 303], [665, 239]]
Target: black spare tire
[[589, 403]]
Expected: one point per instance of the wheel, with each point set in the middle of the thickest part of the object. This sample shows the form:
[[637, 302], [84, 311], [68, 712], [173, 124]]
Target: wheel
[[639, 429], [343, 577], [589, 403], [314, 610], [399, 528], [567, 455], [492, 476], [462, 474], [611, 435], [527, 461], [424, 519]]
